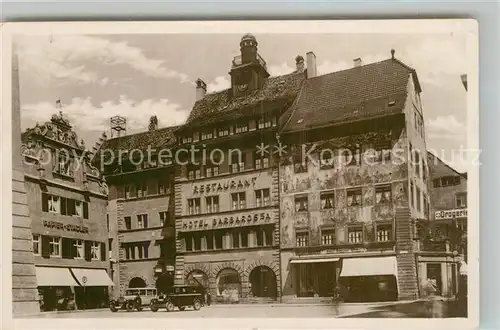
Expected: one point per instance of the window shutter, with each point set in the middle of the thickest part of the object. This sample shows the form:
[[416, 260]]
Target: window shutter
[[88, 253], [85, 210], [64, 203], [145, 221], [45, 202], [66, 245], [103, 251], [46, 246]]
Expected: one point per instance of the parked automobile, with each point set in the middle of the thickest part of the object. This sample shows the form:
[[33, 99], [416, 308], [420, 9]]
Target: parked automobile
[[181, 296], [134, 299]]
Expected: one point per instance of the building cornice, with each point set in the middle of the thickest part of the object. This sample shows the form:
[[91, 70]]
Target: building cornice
[[64, 186]]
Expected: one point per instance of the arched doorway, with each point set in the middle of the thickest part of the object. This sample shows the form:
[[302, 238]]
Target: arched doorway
[[197, 277], [228, 285], [137, 282], [263, 282], [164, 282]]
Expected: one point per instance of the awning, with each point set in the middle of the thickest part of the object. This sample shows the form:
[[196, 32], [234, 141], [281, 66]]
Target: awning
[[369, 266], [312, 260], [92, 277], [54, 276]]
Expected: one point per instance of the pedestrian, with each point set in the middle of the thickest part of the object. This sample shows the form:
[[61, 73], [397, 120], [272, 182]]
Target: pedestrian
[[337, 299], [432, 305]]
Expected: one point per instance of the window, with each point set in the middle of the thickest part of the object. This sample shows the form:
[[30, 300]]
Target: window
[[193, 206], [449, 181], [299, 164], [426, 205], [236, 239], [209, 238], [241, 127], [142, 189], [142, 221], [187, 139], [36, 245], [237, 162], [162, 187], [461, 201], [95, 251], [419, 206], [63, 163], [384, 233], [354, 197], [383, 150], [264, 123], [412, 193], [424, 169], [218, 239], [127, 192], [55, 246], [262, 197], [79, 249], [54, 204], [238, 201], [411, 152], [163, 218], [327, 200], [206, 135], [107, 221], [383, 194], [326, 159], [301, 203], [211, 171], [355, 235], [436, 183], [223, 131], [417, 164], [350, 156], [327, 236], [244, 237], [301, 238], [128, 223], [261, 161], [212, 204], [268, 235], [194, 172]]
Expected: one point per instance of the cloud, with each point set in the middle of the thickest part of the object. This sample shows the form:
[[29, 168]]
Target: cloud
[[446, 127], [218, 84], [329, 66], [69, 57], [281, 69], [83, 114]]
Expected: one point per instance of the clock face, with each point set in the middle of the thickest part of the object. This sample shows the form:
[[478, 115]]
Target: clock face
[[242, 87]]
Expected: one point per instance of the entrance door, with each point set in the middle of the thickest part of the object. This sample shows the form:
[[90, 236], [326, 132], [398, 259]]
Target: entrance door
[[304, 280], [326, 278], [263, 282], [434, 273]]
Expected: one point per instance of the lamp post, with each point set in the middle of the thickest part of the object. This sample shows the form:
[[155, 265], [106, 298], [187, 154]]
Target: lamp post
[[84, 281]]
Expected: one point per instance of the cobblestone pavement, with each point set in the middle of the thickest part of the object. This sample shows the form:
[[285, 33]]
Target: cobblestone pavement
[[233, 311]]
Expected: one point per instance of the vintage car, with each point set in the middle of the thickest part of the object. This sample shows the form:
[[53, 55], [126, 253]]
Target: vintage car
[[134, 299], [181, 296]]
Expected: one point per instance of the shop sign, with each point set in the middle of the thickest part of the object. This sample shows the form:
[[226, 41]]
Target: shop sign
[[224, 186], [227, 222], [67, 227], [451, 214]]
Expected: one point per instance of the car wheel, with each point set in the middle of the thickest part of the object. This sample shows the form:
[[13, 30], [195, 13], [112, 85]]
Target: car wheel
[[130, 306], [197, 305], [181, 308], [169, 306], [153, 306], [113, 308]]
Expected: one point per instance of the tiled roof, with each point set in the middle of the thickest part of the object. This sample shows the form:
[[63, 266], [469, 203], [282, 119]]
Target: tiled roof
[[438, 168], [360, 92], [222, 105], [157, 139]]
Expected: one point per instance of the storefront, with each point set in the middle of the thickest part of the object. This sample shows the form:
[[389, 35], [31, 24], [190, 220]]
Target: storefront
[[369, 279], [228, 284], [315, 276], [444, 271]]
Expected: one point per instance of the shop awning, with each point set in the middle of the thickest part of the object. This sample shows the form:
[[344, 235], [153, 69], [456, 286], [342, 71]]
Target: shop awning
[[92, 277], [54, 276], [369, 266], [312, 260]]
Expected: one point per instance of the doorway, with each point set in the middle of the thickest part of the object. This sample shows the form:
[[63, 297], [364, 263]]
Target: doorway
[[263, 282]]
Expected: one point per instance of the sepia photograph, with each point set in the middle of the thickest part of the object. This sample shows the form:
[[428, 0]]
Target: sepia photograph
[[231, 170]]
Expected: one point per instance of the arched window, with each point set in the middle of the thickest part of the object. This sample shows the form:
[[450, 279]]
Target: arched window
[[197, 277], [263, 282], [229, 285], [137, 282]]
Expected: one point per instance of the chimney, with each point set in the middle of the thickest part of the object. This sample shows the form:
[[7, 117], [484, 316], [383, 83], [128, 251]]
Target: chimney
[[201, 89], [358, 62], [153, 123], [299, 63], [311, 65]]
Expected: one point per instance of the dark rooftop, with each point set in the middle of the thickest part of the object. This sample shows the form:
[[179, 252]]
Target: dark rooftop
[[360, 92]]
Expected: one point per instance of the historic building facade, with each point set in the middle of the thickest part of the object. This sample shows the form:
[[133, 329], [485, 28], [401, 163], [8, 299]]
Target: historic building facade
[[353, 183], [67, 200], [226, 194], [140, 208]]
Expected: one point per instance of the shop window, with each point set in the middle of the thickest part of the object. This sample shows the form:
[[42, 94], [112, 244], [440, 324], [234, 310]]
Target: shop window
[[262, 197], [237, 162], [327, 200], [383, 194], [355, 234], [238, 201], [301, 203], [434, 275], [142, 189], [55, 246], [241, 127], [384, 232], [164, 218], [461, 200], [79, 249], [326, 157], [193, 206], [142, 221], [301, 238], [299, 164], [354, 197], [328, 236], [128, 223], [36, 245], [212, 203], [228, 284]]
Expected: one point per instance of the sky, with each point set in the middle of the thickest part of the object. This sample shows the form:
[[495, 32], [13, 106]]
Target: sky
[[137, 76]]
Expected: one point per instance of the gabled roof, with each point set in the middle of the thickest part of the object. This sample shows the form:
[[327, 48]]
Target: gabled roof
[[357, 93], [438, 168], [222, 105]]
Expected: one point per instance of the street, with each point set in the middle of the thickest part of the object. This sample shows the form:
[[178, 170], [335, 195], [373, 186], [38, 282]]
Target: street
[[373, 310]]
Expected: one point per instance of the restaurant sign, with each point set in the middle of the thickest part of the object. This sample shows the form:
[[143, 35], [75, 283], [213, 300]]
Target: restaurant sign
[[224, 186], [227, 222], [67, 227], [451, 214]]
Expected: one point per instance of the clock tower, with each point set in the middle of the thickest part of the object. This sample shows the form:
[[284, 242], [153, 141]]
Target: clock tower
[[248, 71]]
